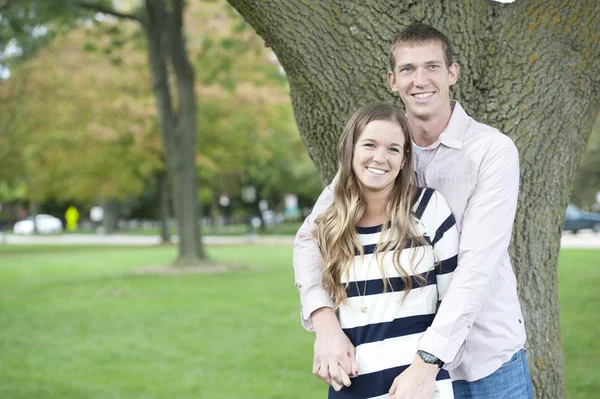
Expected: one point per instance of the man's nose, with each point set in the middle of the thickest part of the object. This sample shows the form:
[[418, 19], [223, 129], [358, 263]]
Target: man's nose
[[420, 77]]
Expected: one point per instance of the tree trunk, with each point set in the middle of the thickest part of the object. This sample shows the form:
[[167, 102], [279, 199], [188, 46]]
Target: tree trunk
[[215, 214], [526, 68], [178, 127], [111, 216], [33, 211], [163, 200]]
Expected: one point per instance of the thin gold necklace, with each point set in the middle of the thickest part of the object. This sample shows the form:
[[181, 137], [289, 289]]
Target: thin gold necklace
[[362, 307]]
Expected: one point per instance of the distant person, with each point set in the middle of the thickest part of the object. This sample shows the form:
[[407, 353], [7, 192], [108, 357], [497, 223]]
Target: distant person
[[478, 333], [389, 251], [71, 217]]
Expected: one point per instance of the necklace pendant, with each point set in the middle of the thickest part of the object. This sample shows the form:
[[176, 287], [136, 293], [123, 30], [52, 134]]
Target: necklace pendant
[[363, 308]]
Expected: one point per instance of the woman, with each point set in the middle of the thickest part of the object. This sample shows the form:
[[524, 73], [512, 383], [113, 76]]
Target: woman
[[389, 250]]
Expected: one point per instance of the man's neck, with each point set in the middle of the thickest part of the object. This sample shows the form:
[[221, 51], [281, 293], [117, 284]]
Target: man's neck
[[426, 132]]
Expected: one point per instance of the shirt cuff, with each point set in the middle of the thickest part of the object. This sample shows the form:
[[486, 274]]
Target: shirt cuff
[[443, 348], [315, 299]]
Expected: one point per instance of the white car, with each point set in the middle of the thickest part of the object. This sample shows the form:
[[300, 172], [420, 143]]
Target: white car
[[46, 224]]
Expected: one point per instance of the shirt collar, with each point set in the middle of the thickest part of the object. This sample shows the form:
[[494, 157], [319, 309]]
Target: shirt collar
[[452, 136]]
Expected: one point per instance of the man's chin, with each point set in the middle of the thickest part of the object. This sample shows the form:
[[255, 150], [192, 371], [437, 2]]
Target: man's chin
[[420, 113]]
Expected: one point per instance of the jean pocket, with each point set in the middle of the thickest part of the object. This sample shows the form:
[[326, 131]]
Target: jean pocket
[[516, 360]]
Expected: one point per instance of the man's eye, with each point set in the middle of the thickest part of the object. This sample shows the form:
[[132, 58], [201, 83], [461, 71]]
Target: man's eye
[[434, 66]]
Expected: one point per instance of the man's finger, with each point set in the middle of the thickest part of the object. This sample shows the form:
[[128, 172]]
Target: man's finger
[[336, 372], [336, 385], [394, 386], [324, 374], [346, 364], [353, 366], [345, 379], [315, 368]]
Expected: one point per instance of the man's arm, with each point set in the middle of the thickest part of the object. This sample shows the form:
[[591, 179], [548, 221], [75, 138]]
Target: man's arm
[[332, 347], [308, 264], [486, 231]]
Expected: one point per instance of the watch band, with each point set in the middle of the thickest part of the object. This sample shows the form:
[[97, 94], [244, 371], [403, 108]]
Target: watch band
[[430, 359]]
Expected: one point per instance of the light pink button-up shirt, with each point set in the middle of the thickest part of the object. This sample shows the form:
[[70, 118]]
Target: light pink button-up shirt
[[479, 325]]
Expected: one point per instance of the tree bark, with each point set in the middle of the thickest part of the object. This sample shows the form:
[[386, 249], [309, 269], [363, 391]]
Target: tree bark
[[164, 31], [527, 68]]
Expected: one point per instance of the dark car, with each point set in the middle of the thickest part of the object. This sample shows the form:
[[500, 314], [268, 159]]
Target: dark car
[[576, 220]]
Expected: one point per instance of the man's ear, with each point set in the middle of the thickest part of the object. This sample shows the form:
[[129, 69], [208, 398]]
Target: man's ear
[[392, 81], [453, 73]]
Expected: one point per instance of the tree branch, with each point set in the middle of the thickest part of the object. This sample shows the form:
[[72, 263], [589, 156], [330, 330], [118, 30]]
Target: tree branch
[[110, 11]]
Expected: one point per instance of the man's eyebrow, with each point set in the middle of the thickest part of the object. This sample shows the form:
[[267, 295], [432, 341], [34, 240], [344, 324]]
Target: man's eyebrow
[[400, 66]]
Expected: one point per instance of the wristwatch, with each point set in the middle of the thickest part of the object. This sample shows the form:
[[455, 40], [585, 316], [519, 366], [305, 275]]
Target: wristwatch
[[429, 358]]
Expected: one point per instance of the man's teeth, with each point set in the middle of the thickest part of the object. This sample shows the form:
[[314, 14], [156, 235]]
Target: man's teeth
[[424, 95], [376, 171]]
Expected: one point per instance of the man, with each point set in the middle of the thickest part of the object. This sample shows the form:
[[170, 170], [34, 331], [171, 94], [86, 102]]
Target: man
[[478, 333]]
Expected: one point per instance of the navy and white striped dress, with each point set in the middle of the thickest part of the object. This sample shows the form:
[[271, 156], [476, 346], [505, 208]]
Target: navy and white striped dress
[[386, 336]]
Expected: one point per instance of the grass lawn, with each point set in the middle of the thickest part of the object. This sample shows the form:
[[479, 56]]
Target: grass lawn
[[77, 323]]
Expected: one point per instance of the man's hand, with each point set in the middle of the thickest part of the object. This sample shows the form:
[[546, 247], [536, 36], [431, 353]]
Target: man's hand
[[416, 382], [334, 355]]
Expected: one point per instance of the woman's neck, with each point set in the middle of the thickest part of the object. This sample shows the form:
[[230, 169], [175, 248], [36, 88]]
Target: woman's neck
[[375, 209]]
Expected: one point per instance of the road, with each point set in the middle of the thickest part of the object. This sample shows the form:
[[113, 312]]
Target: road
[[569, 240]]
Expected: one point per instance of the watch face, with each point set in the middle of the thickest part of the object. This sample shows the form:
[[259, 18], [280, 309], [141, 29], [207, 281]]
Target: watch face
[[429, 358]]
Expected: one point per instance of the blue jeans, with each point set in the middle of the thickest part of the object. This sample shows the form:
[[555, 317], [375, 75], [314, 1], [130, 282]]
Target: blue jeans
[[510, 381]]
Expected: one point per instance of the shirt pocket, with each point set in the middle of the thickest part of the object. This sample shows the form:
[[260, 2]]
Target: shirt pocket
[[463, 180]]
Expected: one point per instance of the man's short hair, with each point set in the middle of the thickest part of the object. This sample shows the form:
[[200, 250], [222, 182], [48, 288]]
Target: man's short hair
[[417, 33]]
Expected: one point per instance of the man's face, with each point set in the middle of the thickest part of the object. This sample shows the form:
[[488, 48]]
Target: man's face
[[422, 79]]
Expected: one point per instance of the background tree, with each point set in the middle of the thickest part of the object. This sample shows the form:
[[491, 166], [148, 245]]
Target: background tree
[[587, 180], [83, 129], [173, 83], [526, 69], [248, 131], [101, 98]]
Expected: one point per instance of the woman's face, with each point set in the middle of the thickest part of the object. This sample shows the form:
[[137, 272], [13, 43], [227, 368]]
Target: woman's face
[[378, 155]]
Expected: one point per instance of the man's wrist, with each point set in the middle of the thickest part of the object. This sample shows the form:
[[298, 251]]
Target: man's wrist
[[324, 319], [430, 359]]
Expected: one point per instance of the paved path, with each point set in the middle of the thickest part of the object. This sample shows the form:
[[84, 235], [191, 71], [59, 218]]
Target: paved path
[[142, 240], [569, 240]]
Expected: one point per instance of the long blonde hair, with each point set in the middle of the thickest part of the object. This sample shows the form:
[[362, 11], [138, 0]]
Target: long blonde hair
[[335, 229]]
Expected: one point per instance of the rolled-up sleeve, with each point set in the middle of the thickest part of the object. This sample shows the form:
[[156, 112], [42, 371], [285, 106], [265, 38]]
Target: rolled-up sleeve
[[485, 236], [308, 264]]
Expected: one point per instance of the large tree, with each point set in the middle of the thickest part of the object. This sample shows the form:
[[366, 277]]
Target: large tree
[[528, 68]]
